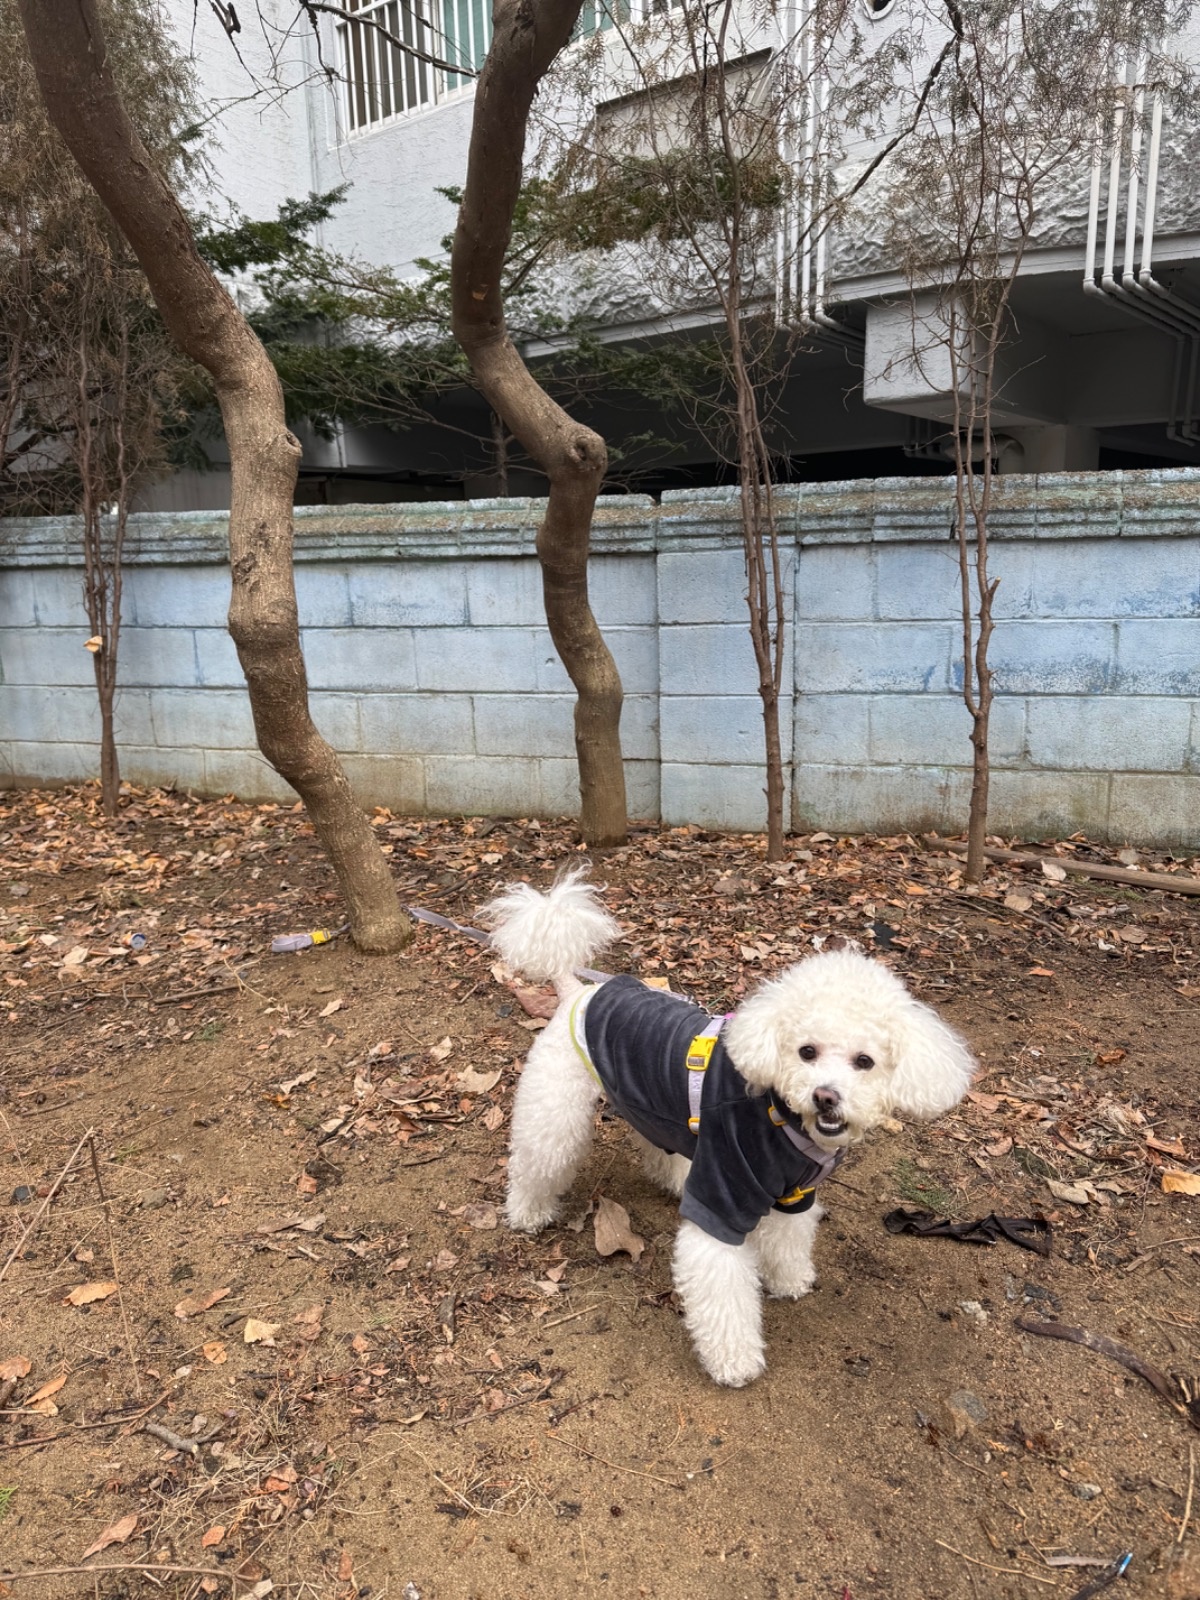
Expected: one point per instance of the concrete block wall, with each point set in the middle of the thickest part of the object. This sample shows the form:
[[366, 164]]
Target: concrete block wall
[[432, 671]]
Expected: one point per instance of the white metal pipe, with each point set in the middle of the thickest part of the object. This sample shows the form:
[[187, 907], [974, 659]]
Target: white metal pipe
[[1114, 192], [1089, 269], [1131, 202], [1156, 118]]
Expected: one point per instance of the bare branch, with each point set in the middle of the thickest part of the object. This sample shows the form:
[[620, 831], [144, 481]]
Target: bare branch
[[393, 39]]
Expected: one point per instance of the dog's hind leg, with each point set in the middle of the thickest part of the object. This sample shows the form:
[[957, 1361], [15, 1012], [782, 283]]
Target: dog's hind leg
[[784, 1245], [669, 1172], [722, 1306], [554, 1115]]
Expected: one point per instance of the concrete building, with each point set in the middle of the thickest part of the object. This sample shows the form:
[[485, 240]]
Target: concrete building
[[1101, 369]]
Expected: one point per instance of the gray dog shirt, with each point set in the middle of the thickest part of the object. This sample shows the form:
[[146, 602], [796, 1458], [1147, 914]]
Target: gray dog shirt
[[747, 1158]]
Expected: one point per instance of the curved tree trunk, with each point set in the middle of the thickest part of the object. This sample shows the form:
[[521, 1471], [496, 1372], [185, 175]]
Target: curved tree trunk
[[527, 36], [66, 44]]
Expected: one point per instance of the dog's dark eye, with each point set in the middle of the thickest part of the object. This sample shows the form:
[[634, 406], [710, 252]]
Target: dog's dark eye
[[808, 1052], [863, 1063]]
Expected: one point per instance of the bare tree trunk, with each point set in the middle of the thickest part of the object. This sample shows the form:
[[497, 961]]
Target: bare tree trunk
[[977, 674], [500, 455], [66, 45], [526, 38], [764, 579]]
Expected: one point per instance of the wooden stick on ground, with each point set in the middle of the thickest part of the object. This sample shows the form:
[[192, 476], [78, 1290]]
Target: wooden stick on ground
[[1016, 1572], [1082, 869], [132, 1566], [44, 1207], [1179, 1398], [112, 1251]]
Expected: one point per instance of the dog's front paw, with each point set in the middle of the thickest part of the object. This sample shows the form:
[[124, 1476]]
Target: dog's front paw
[[790, 1285], [735, 1371], [526, 1217]]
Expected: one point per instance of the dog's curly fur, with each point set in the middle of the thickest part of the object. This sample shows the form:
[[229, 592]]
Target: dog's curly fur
[[841, 1005]]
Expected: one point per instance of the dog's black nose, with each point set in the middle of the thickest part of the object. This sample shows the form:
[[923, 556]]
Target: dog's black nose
[[826, 1099]]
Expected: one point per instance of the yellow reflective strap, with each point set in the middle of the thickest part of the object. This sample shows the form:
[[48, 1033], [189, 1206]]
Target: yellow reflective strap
[[795, 1196], [579, 1050]]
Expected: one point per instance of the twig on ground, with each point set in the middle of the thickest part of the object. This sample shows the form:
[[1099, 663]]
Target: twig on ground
[[196, 994], [1144, 1256], [634, 1472], [130, 1566], [59, 1105], [176, 1441], [42, 1209], [1187, 1509], [1082, 869], [557, 1322], [526, 1399], [1178, 1394], [112, 1251], [1015, 1572], [87, 1427]]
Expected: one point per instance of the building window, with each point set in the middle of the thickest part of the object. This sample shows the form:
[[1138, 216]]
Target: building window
[[383, 81], [876, 9]]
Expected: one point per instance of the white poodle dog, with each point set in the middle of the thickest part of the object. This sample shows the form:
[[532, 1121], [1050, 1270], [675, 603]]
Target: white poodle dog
[[740, 1116]]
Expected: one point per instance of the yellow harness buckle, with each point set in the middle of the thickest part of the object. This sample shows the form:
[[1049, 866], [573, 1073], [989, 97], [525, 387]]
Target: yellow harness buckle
[[700, 1052], [698, 1057], [795, 1197]]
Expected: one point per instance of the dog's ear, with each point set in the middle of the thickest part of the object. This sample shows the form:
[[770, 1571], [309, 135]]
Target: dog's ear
[[933, 1066]]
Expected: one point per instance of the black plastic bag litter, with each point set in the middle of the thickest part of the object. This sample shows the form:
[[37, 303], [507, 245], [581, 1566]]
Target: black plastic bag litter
[[1031, 1233]]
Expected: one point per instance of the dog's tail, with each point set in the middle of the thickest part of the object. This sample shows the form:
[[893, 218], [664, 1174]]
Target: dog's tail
[[547, 936]]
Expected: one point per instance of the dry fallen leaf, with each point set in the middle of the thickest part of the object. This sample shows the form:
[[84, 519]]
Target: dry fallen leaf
[[289, 1084], [439, 1052], [1167, 1147], [345, 1567], [986, 1102], [256, 1332], [1039, 972], [1176, 1182], [116, 1534], [84, 1293], [1132, 935], [15, 1367], [479, 1082], [535, 1002], [1051, 870], [334, 1005], [1075, 1193], [480, 1216], [214, 1536], [1018, 902], [196, 1303], [308, 1323], [1001, 1147], [46, 1391], [493, 1118], [613, 1232], [215, 1352]]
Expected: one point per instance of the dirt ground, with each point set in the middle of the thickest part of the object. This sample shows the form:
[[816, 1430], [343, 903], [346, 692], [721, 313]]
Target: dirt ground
[[286, 1255]]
